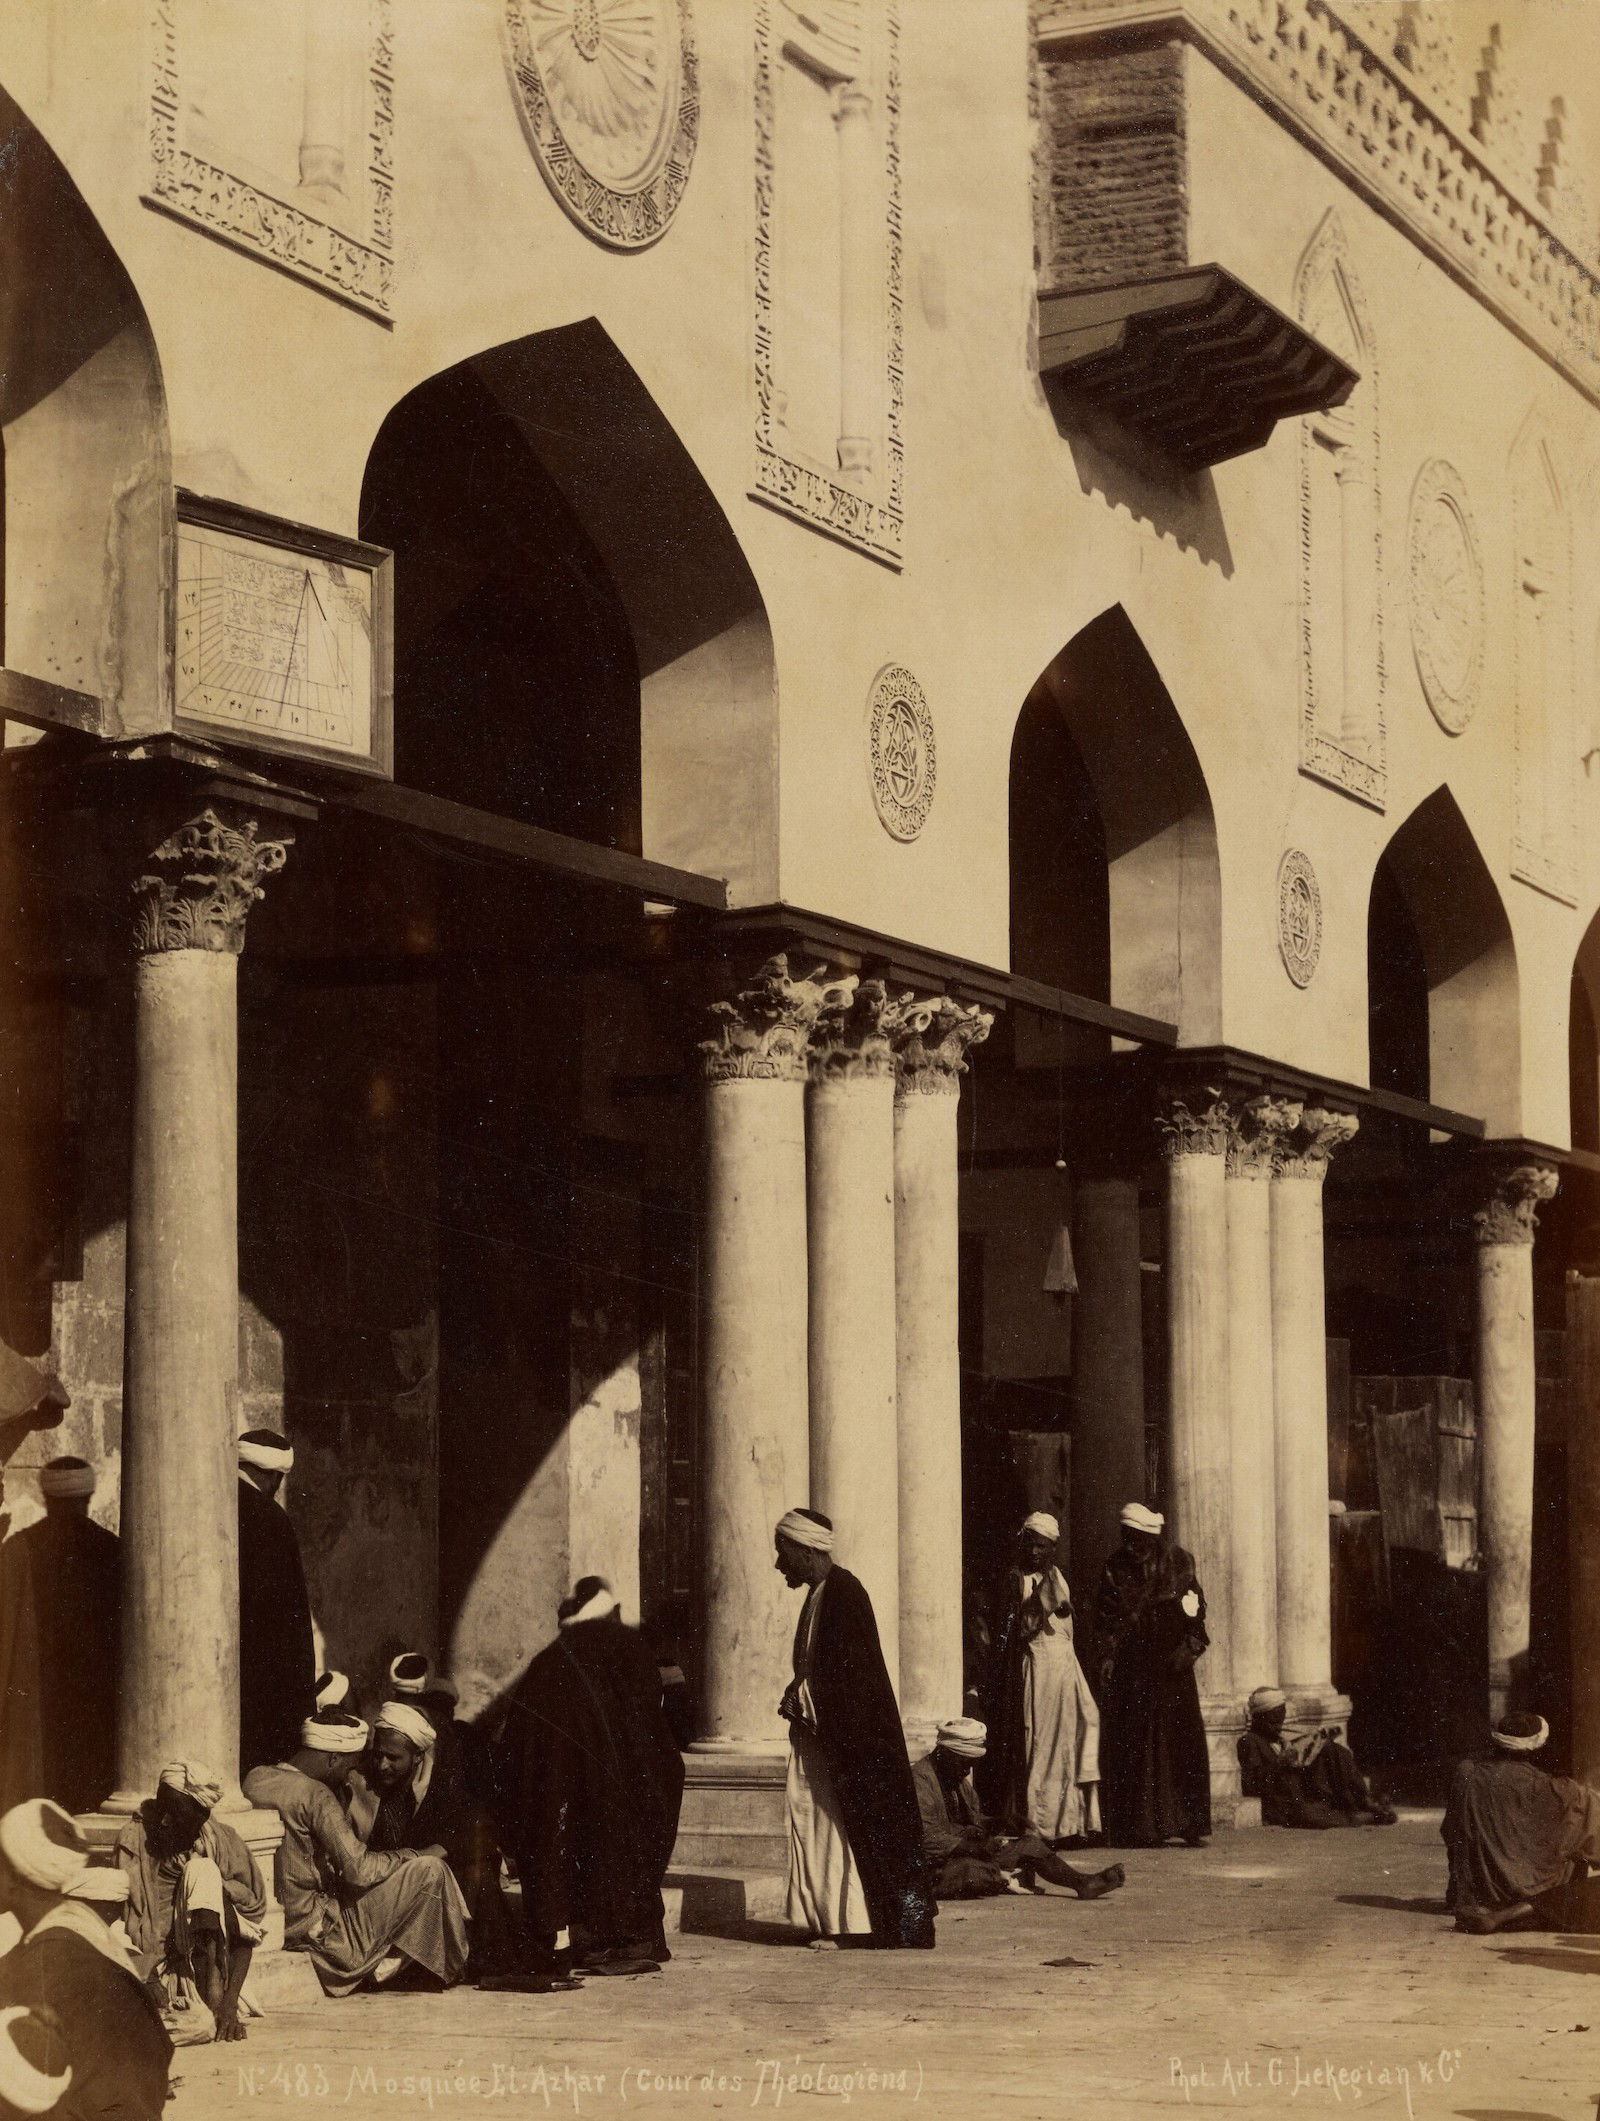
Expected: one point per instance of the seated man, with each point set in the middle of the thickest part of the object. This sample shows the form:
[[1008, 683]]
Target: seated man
[[462, 1747], [420, 1800], [1309, 1781], [1517, 1836], [195, 1902], [362, 1916], [969, 1858]]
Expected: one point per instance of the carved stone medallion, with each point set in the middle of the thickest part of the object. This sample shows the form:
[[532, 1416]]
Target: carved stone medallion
[[1447, 603], [900, 731], [609, 97], [1299, 917]]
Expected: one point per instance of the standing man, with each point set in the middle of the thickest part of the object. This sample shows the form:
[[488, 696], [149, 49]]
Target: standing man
[[857, 1866], [60, 1591], [277, 1658], [1044, 1772], [1151, 1631]]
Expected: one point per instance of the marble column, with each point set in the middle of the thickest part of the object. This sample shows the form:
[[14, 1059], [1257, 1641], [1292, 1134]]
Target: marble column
[[1200, 1463], [1258, 1132], [855, 1476], [1108, 1450], [932, 1040], [179, 1547], [1300, 1391], [756, 1448], [1504, 1228], [1583, 1518]]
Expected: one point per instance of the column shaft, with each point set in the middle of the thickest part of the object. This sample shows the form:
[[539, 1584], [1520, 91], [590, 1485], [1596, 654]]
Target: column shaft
[[1108, 1456], [1583, 1519], [1250, 1373]]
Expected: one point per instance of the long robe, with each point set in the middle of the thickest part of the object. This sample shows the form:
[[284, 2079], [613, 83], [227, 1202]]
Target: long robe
[[347, 1907], [116, 2045], [153, 1884], [1513, 1832], [60, 1586], [1043, 1768], [856, 1727], [1329, 1791], [1156, 1773], [277, 1657], [593, 1782], [447, 1815]]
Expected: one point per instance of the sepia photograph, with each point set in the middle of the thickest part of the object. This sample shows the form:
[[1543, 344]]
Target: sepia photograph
[[800, 1059]]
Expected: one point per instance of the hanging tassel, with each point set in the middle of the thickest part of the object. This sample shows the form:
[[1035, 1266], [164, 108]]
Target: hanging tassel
[[1060, 1275]]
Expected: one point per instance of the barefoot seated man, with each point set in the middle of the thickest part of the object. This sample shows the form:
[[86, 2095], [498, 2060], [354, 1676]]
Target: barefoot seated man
[[1310, 1781], [362, 1917], [1517, 1836], [970, 1858], [195, 1902]]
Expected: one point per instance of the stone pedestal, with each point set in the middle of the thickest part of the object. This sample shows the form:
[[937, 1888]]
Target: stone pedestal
[[753, 1347], [1504, 1229], [1108, 1458], [179, 1545], [932, 1040]]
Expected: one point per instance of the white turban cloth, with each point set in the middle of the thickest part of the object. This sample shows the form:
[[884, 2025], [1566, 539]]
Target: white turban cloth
[[1135, 1515], [192, 1778], [409, 1722], [966, 1736], [42, 1844], [1513, 1744], [1043, 1523], [599, 1606], [1267, 1697], [29, 2089], [334, 1737], [104, 1883], [414, 1678], [805, 1531], [66, 1478], [333, 1690], [271, 1457]]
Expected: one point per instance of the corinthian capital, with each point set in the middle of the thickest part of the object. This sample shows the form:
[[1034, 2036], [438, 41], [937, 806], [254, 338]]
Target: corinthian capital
[[930, 1041], [1257, 1134], [855, 1032], [210, 878], [764, 1033], [1306, 1151], [1186, 1132], [1511, 1213]]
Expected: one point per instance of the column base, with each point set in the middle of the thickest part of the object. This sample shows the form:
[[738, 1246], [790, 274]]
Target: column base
[[734, 1816], [1318, 1708], [1225, 1722]]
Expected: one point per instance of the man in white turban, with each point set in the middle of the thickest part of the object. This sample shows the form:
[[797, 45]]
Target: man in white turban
[[277, 1654], [196, 1904], [362, 1916], [972, 1856], [74, 1963], [1520, 1840], [1150, 1632], [1308, 1781]]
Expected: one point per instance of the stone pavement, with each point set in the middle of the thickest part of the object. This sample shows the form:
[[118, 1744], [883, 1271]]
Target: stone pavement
[[1270, 1974]]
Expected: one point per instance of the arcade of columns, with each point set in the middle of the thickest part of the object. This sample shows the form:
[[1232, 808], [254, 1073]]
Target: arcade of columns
[[830, 1210]]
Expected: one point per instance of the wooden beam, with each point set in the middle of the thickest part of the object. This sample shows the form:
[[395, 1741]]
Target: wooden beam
[[45, 706]]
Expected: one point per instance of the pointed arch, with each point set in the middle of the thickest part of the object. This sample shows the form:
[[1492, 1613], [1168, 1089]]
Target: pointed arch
[[1543, 851], [1342, 730]]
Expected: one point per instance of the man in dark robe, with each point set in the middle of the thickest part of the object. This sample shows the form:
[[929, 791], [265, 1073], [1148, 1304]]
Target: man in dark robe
[[1520, 1840], [1310, 1781], [592, 1782], [971, 1858], [277, 1657], [857, 1866], [60, 1591], [1150, 1634], [462, 1751], [72, 1968]]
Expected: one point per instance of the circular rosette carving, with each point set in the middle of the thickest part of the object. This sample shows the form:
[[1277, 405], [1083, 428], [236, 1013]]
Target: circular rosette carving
[[1299, 917], [1447, 601], [609, 98], [900, 735]]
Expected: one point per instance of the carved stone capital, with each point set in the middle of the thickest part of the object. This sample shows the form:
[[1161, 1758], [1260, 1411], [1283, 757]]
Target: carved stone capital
[[1511, 1213], [931, 1039], [1187, 1132], [855, 1032], [764, 1033], [1305, 1153], [210, 878], [1257, 1135]]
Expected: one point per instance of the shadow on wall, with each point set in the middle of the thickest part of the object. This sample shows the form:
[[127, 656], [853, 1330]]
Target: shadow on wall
[[1125, 473]]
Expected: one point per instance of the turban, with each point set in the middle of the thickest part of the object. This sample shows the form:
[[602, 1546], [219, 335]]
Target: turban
[[1043, 1523], [191, 1778], [106, 1883], [1267, 1697], [600, 1603], [806, 1530], [23, 2084], [410, 1672], [1140, 1519], [1530, 1733], [966, 1736], [334, 1732], [42, 1844], [267, 1449], [333, 1690], [409, 1722], [66, 1476]]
